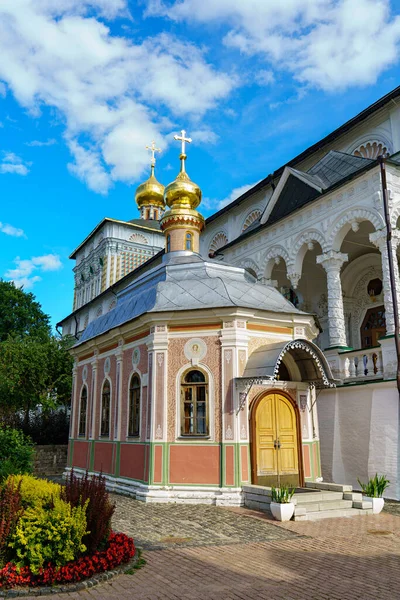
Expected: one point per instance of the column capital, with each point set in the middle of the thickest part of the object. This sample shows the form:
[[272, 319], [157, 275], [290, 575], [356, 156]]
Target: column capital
[[332, 260], [294, 278], [379, 238]]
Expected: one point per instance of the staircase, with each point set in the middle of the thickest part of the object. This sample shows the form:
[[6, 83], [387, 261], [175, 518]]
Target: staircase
[[315, 501]]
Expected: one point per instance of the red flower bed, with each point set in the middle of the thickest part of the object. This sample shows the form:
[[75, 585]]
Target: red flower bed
[[120, 549]]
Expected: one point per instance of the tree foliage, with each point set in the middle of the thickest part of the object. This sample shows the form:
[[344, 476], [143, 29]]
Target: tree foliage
[[20, 314], [35, 366]]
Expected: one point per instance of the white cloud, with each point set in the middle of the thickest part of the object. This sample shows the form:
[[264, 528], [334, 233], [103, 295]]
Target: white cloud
[[204, 136], [213, 204], [109, 90], [24, 274], [330, 44], [265, 77], [39, 144], [11, 230], [11, 163]]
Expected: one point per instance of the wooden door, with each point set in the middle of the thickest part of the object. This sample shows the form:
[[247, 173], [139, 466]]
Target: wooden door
[[276, 455], [373, 327]]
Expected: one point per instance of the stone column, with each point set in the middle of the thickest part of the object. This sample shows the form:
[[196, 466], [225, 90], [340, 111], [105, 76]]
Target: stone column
[[378, 238], [119, 355], [93, 398], [332, 262]]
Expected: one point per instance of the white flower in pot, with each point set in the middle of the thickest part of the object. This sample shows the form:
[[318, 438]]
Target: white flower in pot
[[373, 492], [281, 506]]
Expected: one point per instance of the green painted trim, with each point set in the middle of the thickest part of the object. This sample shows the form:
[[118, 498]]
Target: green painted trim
[[357, 383], [359, 349], [118, 457], [92, 450], [237, 466], [70, 451], [344, 348], [386, 337]]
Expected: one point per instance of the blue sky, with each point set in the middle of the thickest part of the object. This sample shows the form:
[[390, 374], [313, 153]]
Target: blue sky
[[86, 84]]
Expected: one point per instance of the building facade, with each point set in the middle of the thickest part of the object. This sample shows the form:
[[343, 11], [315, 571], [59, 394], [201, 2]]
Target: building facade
[[314, 232]]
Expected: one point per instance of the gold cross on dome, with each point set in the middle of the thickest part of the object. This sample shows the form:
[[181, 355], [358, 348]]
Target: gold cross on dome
[[153, 150], [183, 139]]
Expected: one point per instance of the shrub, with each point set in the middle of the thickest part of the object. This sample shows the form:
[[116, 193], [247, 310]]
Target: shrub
[[52, 535], [120, 549], [282, 495], [16, 453], [375, 487], [99, 511], [10, 511], [36, 492]]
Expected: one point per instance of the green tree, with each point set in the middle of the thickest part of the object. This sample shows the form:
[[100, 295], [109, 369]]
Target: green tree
[[20, 314], [34, 372]]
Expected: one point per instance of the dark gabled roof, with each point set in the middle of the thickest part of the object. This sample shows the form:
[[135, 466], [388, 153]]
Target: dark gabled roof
[[336, 166], [150, 223], [334, 169], [331, 170], [311, 149]]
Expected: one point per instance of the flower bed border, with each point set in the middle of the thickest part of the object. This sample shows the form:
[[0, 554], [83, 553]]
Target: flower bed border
[[96, 579]]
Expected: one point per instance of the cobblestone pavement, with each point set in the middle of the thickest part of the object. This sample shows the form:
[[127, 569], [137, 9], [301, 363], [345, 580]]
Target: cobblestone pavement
[[334, 559]]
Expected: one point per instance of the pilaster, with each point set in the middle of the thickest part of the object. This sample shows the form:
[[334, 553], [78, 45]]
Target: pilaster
[[119, 355], [93, 397], [332, 262]]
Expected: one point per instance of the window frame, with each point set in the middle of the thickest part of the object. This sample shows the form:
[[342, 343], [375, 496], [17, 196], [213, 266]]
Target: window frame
[[168, 243], [134, 375], [189, 238], [80, 433], [194, 387], [102, 433]]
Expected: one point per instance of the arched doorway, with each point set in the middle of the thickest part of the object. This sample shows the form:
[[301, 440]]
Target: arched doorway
[[373, 327], [276, 456]]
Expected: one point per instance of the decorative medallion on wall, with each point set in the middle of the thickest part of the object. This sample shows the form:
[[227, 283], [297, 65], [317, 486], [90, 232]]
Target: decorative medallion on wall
[[158, 432], [138, 238], [219, 241], [135, 357], [84, 373], [253, 216], [195, 349], [243, 433], [107, 366]]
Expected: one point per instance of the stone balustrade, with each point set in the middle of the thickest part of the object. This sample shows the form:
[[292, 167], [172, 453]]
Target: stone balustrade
[[362, 364]]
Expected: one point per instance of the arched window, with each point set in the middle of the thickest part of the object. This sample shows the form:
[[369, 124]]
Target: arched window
[[194, 404], [105, 409], [168, 243], [83, 412], [134, 406], [189, 241]]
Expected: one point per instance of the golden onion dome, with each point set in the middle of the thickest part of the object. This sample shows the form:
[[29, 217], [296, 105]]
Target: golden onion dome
[[150, 192], [182, 192]]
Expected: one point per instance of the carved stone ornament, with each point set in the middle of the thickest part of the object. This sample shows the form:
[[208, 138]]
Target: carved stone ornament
[[158, 432], [135, 357], [243, 433], [107, 366], [195, 349], [229, 433], [84, 373]]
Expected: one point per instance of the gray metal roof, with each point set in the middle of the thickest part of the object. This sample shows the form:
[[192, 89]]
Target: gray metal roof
[[335, 166], [187, 282]]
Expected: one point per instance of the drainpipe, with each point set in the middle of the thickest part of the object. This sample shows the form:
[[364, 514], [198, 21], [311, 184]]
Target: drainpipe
[[381, 160]]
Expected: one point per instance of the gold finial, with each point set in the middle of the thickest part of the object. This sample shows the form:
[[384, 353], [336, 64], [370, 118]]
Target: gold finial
[[153, 151]]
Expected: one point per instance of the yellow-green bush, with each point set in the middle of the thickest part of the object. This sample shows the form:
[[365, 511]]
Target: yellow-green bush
[[36, 492], [49, 535]]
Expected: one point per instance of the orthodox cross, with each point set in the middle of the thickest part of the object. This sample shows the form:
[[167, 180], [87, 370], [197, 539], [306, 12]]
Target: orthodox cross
[[183, 139], [153, 150]]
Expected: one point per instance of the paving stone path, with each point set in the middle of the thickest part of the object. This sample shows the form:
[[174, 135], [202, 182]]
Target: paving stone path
[[208, 553]]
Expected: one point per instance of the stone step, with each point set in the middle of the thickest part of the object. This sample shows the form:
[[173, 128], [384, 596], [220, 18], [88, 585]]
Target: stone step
[[306, 497], [333, 487], [332, 514], [312, 507]]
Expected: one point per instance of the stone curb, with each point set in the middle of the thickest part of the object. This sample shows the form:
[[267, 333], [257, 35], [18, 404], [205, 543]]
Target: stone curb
[[72, 587]]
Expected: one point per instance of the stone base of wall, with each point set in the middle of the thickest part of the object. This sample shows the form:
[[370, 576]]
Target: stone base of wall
[[50, 461], [170, 494]]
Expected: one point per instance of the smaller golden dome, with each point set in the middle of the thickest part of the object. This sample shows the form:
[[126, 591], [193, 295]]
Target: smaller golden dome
[[182, 192], [150, 193]]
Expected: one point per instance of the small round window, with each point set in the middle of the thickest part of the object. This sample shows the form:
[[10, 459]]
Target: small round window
[[374, 287]]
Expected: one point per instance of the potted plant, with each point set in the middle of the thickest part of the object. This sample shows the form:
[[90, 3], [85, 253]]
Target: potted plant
[[281, 506], [373, 492]]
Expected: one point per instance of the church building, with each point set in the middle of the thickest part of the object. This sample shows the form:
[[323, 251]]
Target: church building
[[254, 347]]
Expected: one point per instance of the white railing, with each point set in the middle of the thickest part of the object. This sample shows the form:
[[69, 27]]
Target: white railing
[[365, 363]]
